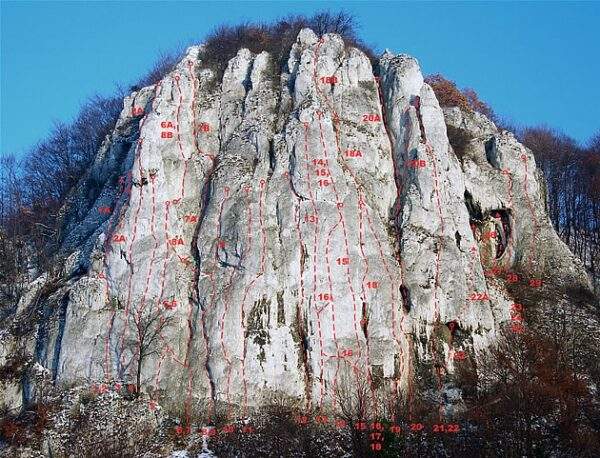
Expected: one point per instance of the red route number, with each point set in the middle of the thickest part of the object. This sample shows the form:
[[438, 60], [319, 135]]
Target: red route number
[[450, 428], [371, 117], [479, 297], [329, 80], [417, 164], [354, 153]]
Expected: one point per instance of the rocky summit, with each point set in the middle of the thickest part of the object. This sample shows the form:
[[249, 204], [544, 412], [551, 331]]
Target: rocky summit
[[283, 236]]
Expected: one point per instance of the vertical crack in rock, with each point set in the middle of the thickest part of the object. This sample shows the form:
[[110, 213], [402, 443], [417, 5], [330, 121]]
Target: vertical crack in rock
[[406, 302], [473, 207], [416, 102], [292, 173], [304, 350], [303, 256], [203, 207], [62, 316], [491, 152], [364, 321], [272, 158], [280, 309]]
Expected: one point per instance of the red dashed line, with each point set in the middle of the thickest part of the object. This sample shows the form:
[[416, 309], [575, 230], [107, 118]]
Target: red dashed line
[[104, 274], [190, 65], [533, 216], [359, 211], [249, 286], [300, 306], [159, 366], [399, 183], [225, 295], [471, 274], [339, 206], [397, 177], [129, 253], [142, 305], [332, 303], [394, 299], [108, 248], [510, 243], [177, 120], [436, 317], [315, 251], [153, 254]]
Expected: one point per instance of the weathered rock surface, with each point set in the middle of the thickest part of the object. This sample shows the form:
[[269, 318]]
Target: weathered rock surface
[[273, 235]]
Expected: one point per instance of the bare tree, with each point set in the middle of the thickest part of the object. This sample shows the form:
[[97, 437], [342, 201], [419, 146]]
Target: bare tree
[[355, 405], [146, 328], [529, 397]]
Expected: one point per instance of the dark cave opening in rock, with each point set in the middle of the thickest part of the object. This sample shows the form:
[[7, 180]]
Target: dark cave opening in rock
[[493, 233], [491, 229], [452, 326], [406, 302], [501, 219]]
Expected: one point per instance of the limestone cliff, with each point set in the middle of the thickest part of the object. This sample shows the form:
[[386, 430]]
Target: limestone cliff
[[270, 235]]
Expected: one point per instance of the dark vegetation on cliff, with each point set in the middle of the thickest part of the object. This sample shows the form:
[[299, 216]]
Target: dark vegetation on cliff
[[531, 395], [277, 38]]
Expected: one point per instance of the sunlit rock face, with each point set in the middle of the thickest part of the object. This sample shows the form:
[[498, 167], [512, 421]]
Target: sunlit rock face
[[271, 236]]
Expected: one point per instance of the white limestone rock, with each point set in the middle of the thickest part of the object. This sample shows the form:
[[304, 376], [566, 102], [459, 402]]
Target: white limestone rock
[[284, 231]]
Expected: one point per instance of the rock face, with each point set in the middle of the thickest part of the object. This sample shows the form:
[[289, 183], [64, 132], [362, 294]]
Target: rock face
[[276, 236]]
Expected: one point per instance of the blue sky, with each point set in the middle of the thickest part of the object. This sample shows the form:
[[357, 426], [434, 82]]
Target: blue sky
[[535, 63]]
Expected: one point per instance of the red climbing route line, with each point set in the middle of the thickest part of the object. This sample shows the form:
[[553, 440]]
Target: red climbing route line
[[105, 275], [129, 254], [315, 220], [339, 206], [436, 317], [510, 243], [250, 285], [217, 244], [137, 157], [536, 225], [393, 299], [190, 65], [247, 249], [220, 244], [300, 306], [142, 305], [398, 179], [178, 135]]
